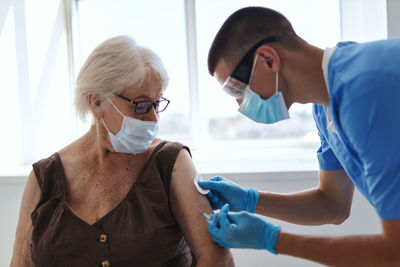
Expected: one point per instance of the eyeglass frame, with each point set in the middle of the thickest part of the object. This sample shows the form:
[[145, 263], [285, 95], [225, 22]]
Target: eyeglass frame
[[241, 75], [154, 104]]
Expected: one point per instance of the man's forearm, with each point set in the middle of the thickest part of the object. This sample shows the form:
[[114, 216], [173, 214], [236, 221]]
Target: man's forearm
[[373, 250], [309, 207]]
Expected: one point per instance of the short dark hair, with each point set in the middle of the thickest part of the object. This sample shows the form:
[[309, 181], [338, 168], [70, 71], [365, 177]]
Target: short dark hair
[[246, 27]]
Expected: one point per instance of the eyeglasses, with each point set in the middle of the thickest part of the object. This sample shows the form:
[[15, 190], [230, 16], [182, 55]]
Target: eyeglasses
[[237, 82], [143, 107]]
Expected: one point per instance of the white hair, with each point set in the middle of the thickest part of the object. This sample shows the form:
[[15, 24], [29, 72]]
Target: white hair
[[112, 66]]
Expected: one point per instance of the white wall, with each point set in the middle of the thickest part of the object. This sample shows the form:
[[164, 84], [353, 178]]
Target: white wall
[[11, 190], [363, 219], [364, 20], [393, 11]]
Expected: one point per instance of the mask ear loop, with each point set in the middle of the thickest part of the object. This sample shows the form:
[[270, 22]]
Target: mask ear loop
[[108, 130], [123, 116], [252, 69], [115, 107], [276, 82]]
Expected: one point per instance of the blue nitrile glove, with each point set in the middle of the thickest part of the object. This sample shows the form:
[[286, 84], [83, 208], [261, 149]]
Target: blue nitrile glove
[[225, 191], [242, 230]]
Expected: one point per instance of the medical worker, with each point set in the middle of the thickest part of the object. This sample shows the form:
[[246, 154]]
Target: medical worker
[[355, 88]]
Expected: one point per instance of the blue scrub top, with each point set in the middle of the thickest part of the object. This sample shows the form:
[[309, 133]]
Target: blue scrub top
[[364, 106]]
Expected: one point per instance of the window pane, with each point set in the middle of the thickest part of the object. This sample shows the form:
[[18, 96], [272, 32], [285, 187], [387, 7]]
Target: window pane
[[318, 22], [37, 105], [156, 24]]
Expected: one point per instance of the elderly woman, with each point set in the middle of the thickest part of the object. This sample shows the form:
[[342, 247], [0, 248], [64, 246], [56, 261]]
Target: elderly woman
[[117, 196]]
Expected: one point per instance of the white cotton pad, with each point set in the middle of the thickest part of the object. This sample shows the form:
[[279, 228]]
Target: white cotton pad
[[208, 216], [196, 179]]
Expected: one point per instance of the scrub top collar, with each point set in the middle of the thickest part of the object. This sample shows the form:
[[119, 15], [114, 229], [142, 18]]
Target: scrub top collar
[[325, 62]]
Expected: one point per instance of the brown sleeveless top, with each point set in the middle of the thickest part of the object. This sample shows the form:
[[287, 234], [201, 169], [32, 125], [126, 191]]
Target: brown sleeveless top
[[140, 231]]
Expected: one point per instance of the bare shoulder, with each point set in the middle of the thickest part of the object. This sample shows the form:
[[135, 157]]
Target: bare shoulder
[[74, 151], [77, 157], [184, 164]]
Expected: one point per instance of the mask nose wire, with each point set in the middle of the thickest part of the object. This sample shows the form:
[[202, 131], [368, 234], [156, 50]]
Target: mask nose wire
[[276, 82]]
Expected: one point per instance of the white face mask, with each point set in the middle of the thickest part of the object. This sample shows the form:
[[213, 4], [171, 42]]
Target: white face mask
[[135, 135]]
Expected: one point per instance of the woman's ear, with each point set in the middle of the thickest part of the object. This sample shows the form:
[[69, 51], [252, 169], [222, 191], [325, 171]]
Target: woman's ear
[[270, 57], [96, 104]]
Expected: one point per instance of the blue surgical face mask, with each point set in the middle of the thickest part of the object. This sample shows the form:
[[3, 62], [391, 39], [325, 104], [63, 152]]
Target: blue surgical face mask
[[268, 110], [135, 136]]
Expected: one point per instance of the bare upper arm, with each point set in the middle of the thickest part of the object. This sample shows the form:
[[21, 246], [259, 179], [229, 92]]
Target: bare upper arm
[[188, 206], [337, 186], [30, 198]]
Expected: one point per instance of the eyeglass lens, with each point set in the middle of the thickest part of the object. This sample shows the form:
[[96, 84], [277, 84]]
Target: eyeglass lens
[[145, 106]]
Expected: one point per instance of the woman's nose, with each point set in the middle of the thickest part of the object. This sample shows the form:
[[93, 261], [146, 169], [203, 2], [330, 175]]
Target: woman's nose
[[152, 115]]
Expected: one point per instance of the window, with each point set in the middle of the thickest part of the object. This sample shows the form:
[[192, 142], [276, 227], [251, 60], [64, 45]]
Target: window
[[156, 24], [224, 122], [43, 44], [36, 117], [201, 114]]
